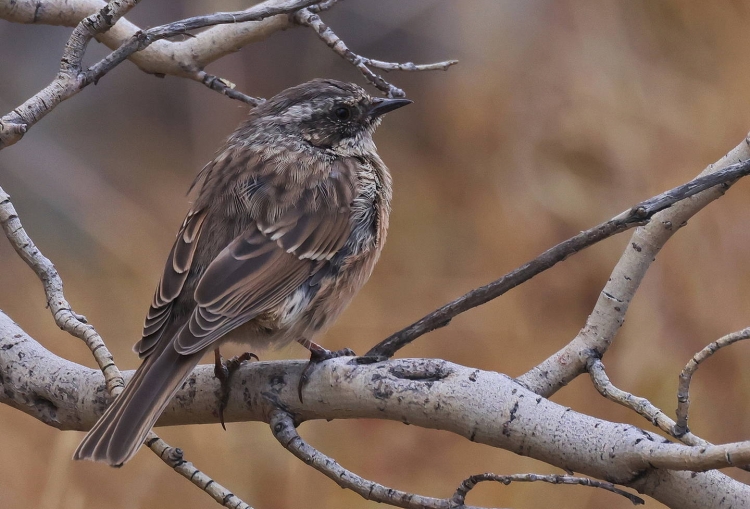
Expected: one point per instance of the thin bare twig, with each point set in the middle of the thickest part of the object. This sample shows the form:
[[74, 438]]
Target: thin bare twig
[[282, 426], [407, 66], [173, 456], [322, 6], [468, 484], [227, 88], [308, 18], [76, 325], [635, 216], [686, 376]]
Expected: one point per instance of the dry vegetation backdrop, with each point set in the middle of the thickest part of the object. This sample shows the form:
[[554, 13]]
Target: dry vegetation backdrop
[[560, 115]]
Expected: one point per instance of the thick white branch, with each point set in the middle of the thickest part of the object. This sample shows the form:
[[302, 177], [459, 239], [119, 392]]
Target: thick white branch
[[182, 58], [483, 406]]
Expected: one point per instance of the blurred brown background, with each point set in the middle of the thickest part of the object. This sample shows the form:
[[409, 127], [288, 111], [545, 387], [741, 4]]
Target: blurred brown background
[[561, 114]]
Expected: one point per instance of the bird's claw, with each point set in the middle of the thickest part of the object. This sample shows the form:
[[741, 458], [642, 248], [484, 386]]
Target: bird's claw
[[223, 371]]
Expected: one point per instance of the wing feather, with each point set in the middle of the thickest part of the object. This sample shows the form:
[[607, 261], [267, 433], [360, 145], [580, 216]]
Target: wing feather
[[172, 281]]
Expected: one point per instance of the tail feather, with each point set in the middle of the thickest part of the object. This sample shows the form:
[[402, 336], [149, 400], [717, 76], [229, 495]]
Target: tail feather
[[119, 433]]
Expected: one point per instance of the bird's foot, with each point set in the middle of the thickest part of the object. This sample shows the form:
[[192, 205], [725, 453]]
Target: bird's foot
[[223, 371], [318, 354]]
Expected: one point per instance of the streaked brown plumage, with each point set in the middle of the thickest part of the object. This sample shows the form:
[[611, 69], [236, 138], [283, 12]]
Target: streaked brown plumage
[[288, 222]]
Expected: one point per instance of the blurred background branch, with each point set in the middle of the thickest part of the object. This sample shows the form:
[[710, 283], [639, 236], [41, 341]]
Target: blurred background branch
[[185, 59]]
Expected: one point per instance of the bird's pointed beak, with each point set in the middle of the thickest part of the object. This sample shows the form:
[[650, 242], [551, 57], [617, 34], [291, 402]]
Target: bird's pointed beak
[[380, 106]]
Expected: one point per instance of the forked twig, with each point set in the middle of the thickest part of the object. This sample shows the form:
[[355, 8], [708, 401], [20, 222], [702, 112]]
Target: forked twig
[[639, 405], [308, 18]]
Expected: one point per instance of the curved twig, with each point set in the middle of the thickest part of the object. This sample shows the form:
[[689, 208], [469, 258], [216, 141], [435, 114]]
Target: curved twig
[[64, 316], [468, 484], [683, 390], [284, 430]]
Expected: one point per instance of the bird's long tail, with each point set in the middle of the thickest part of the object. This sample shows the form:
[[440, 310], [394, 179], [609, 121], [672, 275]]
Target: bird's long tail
[[119, 433]]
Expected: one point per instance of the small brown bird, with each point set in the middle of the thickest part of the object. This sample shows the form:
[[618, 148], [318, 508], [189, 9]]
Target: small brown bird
[[288, 222]]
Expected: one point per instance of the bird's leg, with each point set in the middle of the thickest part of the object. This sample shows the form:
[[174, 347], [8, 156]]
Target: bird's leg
[[223, 371], [318, 354]]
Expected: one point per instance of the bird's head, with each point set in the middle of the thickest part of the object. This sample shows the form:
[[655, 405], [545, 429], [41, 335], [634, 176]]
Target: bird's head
[[325, 114]]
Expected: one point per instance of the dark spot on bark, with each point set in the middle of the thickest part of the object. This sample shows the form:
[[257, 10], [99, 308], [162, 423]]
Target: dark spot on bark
[[637, 247], [36, 12], [106, 13], [506, 424], [45, 406], [278, 382], [382, 391], [421, 372]]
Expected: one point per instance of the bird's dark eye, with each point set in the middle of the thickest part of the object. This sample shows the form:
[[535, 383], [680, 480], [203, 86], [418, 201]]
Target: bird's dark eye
[[342, 112]]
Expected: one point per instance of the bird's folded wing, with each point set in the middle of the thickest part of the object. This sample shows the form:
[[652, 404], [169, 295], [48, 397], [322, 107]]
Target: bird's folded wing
[[271, 259], [172, 280]]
